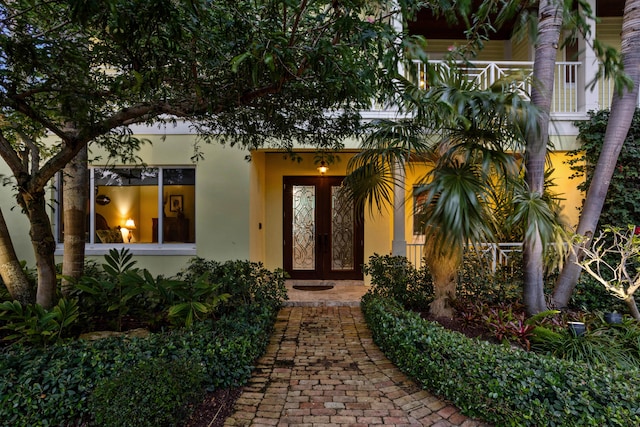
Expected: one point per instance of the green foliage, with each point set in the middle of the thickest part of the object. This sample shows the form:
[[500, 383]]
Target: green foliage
[[395, 277], [195, 301], [622, 204], [602, 344], [154, 392], [45, 387], [203, 290], [478, 282], [36, 325], [247, 282], [590, 295], [499, 384]]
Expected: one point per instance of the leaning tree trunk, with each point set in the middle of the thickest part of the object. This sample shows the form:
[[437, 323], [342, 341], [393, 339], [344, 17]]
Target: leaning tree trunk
[[623, 107], [11, 271], [44, 246], [549, 27], [630, 301], [74, 202], [443, 264]]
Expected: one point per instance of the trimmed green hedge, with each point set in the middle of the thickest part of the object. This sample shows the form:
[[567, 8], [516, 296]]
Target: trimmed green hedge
[[52, 386], [505, 386]]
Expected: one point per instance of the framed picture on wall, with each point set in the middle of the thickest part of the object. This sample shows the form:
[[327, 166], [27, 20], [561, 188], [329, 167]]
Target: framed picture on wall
[[175, 203]]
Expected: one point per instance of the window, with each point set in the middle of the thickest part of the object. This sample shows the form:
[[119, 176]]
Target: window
[[571, 54], [419, 197], [140, 205]]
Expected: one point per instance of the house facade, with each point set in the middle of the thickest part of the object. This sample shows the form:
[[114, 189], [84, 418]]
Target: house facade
[[285, 213]]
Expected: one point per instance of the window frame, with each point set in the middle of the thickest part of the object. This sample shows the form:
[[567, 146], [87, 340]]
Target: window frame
[[92, 247]]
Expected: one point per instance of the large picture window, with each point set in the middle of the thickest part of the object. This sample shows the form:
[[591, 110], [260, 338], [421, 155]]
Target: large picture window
[[140, 205]]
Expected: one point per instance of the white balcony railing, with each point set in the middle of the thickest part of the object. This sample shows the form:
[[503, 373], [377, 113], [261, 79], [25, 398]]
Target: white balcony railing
[[605, 93], [484, 74], [499, 253]]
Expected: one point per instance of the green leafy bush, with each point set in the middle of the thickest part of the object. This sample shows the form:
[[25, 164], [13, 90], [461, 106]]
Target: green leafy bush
[[247, 282], [44, 387], [590, 295], [395, 277], [499, 384], [36, 325], [478, 282], [154, 392], [622, 204], [122, 291]]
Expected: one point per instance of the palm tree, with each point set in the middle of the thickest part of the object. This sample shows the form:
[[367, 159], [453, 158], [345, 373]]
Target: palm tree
[[467, 137], [623, 107], [548, 38]]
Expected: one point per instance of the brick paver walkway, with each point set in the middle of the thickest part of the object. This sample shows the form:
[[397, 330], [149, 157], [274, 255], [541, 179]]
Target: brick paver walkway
[[321, 368]]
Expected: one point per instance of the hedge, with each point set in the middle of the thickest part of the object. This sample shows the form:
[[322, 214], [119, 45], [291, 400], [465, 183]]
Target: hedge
[[52, 386], [500, 384]]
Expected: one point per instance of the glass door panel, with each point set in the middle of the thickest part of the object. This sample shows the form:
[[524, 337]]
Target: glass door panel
[[323, 238]]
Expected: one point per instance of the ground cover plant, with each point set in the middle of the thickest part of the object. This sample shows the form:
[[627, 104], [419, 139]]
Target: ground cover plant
[[201, 342], [510, 369], [501, 384]]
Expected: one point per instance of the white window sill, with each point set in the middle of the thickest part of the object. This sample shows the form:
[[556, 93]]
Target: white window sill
[[143, 249]]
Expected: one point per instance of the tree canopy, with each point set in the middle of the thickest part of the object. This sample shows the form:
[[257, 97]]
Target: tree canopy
[[248, 72]]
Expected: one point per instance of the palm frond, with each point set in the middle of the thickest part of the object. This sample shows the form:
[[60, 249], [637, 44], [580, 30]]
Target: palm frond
[[540, 218], [370, 183], [455, 207]]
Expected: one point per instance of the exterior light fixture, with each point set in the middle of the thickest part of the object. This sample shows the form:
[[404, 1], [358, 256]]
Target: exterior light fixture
[[130, 225], [323, 168]]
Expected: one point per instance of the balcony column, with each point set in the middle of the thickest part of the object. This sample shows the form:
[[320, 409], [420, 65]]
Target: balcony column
[[588, 99], [398, 244]]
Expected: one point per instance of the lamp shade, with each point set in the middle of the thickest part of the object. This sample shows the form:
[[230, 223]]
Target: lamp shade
[[130, 224]]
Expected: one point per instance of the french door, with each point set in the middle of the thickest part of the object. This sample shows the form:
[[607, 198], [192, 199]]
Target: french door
[[323, 235]]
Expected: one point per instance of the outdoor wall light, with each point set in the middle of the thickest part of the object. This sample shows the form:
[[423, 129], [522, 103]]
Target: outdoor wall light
[[323, 168]]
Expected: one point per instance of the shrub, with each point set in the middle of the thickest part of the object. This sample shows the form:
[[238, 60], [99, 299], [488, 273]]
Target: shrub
[[43, 387], [122, 291], [247, 282], [154, 392], [395, 277], [478, 282], [621, 205], [499, 384], [589, 296], [36, 325]]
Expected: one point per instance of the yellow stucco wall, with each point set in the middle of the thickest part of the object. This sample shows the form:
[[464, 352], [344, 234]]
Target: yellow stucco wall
[[565, 188], [221, 201], [239, 204]]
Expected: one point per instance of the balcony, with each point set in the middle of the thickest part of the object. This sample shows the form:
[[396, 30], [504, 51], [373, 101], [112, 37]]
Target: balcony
[[571, 97], [566, 99]]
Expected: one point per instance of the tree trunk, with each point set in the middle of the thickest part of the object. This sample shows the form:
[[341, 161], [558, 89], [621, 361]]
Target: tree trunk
[[11, 271], [622, 109], [533, 296], [44, 246], [549, 27], [633, 307], [74, 202], [443, 265]]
